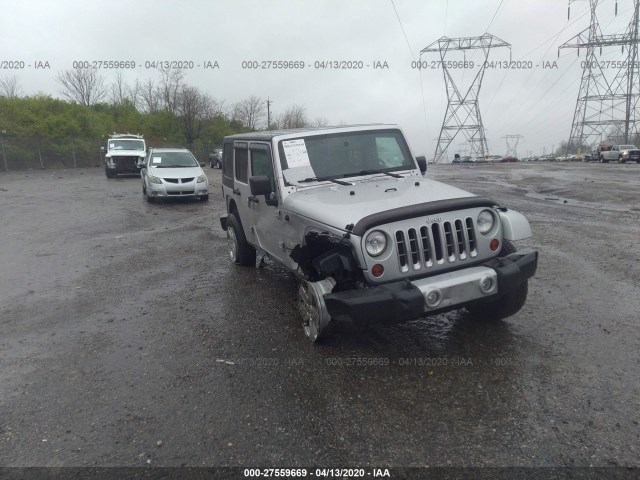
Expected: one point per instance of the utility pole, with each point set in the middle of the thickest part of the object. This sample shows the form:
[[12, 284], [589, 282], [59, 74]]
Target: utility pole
[[463, 111], [605, 105], [269, 102]]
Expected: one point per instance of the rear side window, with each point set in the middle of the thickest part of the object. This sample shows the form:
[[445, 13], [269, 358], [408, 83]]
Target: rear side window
[[242, 164], [227, 160]]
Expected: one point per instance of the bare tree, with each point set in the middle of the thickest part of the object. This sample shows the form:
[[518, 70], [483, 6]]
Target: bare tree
[[10, 87], [150, 96], [295, 116], [250, 112], [118, 89], [320, 122], [194, 109], [82, 85], [171, 81], [121, 92]]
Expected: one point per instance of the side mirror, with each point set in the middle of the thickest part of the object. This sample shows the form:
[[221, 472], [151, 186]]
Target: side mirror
[[102, 149], [260, 185], [422, 163]]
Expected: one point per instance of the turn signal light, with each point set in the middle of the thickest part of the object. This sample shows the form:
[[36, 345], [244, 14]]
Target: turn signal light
[[377, 270], [495, 243]]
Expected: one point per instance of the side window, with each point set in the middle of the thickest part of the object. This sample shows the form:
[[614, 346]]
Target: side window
[[242, 164], [227, 160], [261, 165]]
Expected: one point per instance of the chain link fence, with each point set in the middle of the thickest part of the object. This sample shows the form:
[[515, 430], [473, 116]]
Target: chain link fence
[[24, 153]]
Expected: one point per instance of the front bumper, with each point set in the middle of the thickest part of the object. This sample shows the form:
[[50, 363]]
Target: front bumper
[[407, 300], [166, 189]]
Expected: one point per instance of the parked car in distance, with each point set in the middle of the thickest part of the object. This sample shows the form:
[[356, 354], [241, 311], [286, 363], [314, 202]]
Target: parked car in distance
[[628, 153], [171, 173], [509, 159], [215, 158], [124, 154]]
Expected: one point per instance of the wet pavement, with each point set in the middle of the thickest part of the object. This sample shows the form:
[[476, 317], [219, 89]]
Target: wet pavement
[[128, 338]]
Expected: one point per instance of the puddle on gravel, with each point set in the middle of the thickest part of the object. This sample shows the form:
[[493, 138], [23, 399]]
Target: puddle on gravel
[[577, 203]]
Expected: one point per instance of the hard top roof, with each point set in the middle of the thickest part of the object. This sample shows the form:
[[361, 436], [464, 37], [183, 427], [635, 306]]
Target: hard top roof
[[268, 135]]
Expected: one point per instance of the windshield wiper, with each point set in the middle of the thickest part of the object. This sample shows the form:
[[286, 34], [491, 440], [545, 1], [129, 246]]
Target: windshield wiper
[[323, 179], [371, 172]]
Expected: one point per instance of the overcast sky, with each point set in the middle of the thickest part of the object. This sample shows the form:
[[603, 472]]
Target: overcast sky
[[536, 103]]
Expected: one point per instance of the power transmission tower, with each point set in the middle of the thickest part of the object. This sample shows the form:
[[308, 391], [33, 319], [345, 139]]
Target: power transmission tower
[[605, 106], [512, 144], [463, 112]]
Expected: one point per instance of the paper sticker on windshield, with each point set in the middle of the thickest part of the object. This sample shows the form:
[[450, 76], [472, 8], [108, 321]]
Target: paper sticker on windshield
[[156, 159], [296, 153]]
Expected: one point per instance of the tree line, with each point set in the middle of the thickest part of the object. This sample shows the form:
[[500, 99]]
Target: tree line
[[166, 109]]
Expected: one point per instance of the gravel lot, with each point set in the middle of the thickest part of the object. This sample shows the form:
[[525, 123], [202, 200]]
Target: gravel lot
[[128, 338]]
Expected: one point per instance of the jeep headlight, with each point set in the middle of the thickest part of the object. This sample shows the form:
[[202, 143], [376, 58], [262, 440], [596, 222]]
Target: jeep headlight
[[202, 178], [486, 221], [625, 153], [376, 243], [153, 179]]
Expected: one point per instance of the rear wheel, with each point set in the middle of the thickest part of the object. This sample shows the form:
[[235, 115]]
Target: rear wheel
[[239, 250]]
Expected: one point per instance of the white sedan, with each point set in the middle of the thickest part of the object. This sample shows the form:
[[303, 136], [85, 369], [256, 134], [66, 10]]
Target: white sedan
[[173, 172]]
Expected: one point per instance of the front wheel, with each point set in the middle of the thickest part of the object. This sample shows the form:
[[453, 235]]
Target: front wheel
[[315, 317], [109, 173], [239, 250]]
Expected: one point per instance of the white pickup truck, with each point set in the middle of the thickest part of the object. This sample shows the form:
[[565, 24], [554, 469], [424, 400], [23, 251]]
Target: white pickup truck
[[619, 153]]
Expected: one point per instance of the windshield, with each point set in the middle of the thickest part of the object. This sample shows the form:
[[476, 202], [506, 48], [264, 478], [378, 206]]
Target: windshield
[[341, 155], [172, 160], [126, 145]]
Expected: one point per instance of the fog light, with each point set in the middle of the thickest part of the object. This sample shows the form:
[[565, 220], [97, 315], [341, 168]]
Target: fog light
[[433, 298], [486, 284], [377, 270], [495, 243]]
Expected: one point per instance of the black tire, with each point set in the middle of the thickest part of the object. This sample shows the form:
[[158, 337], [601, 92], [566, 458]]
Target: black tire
[[240, 251], [109, 173], [506, 305], [620, 160], [204, 198]]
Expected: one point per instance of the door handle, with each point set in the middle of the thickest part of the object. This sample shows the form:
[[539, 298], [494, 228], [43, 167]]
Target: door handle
[[236, 191]]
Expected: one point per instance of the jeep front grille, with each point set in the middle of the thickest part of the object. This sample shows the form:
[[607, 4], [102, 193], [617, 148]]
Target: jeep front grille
[[436, 244]]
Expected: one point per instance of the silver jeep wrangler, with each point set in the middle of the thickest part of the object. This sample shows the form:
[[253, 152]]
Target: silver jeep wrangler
[[372, 240]]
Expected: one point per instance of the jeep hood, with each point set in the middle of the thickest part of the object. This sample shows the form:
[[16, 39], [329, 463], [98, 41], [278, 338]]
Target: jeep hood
[[335, 205]]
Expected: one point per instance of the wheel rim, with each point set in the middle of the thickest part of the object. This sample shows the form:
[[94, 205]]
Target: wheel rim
[[231, 240], [312, 308]]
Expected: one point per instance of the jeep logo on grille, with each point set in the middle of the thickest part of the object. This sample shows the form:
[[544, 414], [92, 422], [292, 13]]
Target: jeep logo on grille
[[430, 220]]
